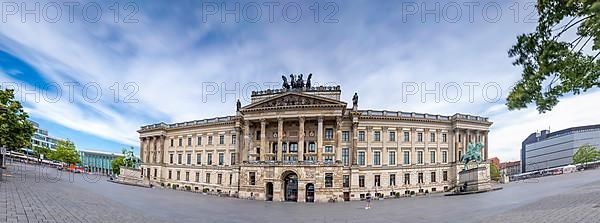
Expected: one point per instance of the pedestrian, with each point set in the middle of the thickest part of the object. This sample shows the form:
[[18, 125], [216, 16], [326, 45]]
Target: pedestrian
[[368, 198]]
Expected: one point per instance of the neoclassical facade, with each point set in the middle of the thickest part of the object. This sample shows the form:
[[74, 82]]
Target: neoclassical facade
[[304, 144]]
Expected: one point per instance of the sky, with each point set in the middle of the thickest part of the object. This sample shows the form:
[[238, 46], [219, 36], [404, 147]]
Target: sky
[[94, 72]]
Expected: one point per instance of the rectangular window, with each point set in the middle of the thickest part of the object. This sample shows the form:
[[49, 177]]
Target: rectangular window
[[345, 156], [444, 156], [207, 178], [407, 178], [459, 138], [329, 180], [420, 178], [210, 140], [361, 158], [221, 159], [445, 175], [180, 142], [345, 136], [170, 174], [293, 147], [361, 181], [406, 157], [155, 172], [378, 180], [420, 137], [178, 175], [257, 135], [187, 176], [444, 137], [311, 147], [209, 159], [328, 149], [432, 137], [361, 136], [179, 157], [328, 133], [171, 142], [171, 158], [199, 140], [377, 136], [392, 136], [219, 178], [392, 179], [433, 178], [406, 136], [199, 159], [420, 157], [198, 177], [189, 141], [376, 158], [392, 158], [189, 159], [233, 158], [222, 140], [346, 181], [252, 178], [432, 157], [233, 139]]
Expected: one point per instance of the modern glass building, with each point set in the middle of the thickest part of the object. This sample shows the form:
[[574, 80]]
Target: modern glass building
[[97, 161], [41, 137], [547, 149]]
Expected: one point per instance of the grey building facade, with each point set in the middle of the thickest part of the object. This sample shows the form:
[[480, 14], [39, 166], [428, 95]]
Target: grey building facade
[[547, 149]]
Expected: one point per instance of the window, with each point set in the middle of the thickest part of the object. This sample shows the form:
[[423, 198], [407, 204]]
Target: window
[[252, 178], [361, 181], [170, 174], [328, 133], [207, 178], [377, 136], [222, 140], [459, 138], [420, 178], [257, 135], [180, 142], [432, 157], [209, 159], [189, 159], [219, 178], [420, 137], [445, 175], [346, 180], [406, 157], [233, 158], [230, 179], [179, 157], [171, 158], [155, 172], [209, 140], [171, 142], [328, 149], [444, 156], [420, 157], [392, 136], [432, 137], [178, 175], [189, 141], [199, 159], [197, 176], [345, 156], [311, 147], [378, 180], [392, 158], [233, 139], [187, 176], [361, 136], [328, 159], [329, 180], [361, 158], [199, 140], [433, 178], [345, 136], [293, 147], [406, 136], [376, 158], [221, 159], [407, 178], [444, 137], [392, 179]]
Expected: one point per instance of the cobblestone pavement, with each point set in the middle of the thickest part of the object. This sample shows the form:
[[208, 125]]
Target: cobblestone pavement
[[61, 197]]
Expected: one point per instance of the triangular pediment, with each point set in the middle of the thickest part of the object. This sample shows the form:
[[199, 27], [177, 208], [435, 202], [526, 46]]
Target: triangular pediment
[[295, 99]]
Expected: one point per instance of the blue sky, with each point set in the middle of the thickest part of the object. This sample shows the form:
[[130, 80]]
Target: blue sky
[[165, 61]]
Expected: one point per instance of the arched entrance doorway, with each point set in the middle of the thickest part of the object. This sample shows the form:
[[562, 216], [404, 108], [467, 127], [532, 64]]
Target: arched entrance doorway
[[290, 186], [269, 191], [310, 192]]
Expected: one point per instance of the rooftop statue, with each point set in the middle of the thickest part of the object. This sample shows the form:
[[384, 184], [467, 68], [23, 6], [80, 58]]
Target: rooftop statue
[[473, 154], [300, 83], [355, 102], [308, 84], [285, 83], [293, 81], [239, 104]]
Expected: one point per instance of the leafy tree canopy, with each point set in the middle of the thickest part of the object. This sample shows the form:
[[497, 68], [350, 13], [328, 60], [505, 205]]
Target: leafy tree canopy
[[117, 163], [585, 154], [65, 152], [15, 130], [553, 64]]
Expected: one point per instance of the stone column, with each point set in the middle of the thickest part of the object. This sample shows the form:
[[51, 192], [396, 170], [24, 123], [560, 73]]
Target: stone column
[[486, 145], [142, 144], [369, 152], [338, 139], [244, 152], [456, 144], [301, 140], [238, 145], [263, 139], [426, 141], [353, 150], [280, 139], [384, 151], [320, 138], [413, 151]]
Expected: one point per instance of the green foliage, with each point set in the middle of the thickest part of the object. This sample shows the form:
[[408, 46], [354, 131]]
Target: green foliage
[[117, 164], [494, 172], [552, 64], [15, 130], [585, 154], [39, 150], [65, 152]]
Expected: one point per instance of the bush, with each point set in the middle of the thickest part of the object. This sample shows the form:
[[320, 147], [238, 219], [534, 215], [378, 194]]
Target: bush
[[174, 186], [397, 194], [205, 190], [412, 192], [188, 188]]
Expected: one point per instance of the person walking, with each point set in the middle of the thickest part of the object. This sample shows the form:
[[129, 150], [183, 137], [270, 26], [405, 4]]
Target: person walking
[[368, 198]]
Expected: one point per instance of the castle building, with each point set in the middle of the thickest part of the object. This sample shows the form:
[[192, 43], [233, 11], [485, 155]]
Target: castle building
[[302, 143]]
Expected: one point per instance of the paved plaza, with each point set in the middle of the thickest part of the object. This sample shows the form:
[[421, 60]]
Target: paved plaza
[[62, 197]]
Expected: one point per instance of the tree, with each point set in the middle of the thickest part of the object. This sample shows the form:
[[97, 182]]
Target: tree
[[585, 154], [494, 172], [38, 151], [552, 64], [65, 152], [128, 160], [117, 164], [15, 130]]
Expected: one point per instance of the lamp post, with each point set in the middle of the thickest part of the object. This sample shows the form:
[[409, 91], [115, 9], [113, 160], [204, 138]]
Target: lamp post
[[2, 149]]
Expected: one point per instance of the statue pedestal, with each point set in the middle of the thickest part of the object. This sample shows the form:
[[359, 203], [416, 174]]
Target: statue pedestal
[[475, 179]]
